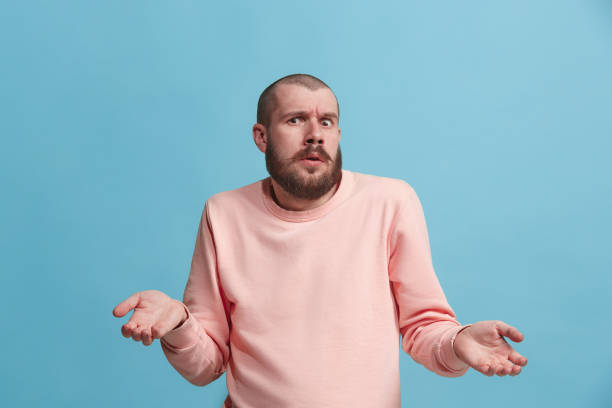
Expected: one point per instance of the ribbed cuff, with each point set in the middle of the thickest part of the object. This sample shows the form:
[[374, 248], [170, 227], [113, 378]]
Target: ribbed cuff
[[455, 335], [184, 336], [447, 352]]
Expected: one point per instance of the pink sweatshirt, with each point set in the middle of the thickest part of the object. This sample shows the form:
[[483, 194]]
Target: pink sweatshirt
[[305, 308]]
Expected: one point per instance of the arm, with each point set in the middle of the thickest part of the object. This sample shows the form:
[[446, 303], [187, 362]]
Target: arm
[[427, 322], [199, 348]]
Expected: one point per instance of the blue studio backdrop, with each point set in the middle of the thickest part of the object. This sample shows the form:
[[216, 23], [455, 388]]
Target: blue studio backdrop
[[119, 119]]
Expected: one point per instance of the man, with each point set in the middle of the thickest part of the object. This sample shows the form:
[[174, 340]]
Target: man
[[301, 283]]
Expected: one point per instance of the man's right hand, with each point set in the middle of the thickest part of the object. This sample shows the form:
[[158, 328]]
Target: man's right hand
[[155, 314]]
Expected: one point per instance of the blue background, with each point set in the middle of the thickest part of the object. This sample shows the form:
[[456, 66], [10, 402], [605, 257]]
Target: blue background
[[119, 119]]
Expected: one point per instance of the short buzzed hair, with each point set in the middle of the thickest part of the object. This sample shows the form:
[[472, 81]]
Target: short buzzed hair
[[265, 105]]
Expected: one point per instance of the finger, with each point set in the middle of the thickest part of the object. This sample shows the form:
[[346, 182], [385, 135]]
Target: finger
[[504, 369], [146, 336], [126, 329], [517, 359], [516, 370], [508, 331], [486, 369], [128, 304], [136, 334]]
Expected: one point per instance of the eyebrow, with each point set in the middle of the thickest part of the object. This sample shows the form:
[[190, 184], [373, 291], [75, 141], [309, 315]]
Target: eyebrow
[[304, 113]]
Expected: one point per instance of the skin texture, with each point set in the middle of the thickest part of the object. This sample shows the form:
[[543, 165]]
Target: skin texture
[[483, 347], [305, 121], [155, 314]]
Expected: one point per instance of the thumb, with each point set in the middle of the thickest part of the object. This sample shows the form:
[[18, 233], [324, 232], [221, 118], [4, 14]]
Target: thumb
[[128, 304], [508, 331]]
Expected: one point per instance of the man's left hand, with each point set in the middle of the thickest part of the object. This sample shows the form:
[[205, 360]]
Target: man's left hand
[[483, 347]]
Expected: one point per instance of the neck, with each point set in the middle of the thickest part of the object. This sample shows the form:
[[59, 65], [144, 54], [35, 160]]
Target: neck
[[293, 203]]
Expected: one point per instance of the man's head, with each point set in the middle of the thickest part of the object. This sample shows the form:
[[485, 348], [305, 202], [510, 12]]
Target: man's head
[[267, 100], [297, 121]]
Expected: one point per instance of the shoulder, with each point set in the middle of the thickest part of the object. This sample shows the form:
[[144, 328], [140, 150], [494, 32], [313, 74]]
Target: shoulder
[[236, 200], [394, 190]]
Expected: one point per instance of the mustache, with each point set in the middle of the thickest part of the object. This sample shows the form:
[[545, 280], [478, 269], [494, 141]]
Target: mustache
[[310, 150]]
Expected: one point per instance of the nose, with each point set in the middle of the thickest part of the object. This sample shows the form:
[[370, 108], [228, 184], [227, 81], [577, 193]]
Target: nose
[[314, 135]]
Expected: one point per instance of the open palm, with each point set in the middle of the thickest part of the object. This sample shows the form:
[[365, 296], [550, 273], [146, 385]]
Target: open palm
[[483, 347], [155, 314]]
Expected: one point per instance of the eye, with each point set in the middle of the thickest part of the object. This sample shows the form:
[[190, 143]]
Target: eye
[[295, 120], [326, 122]]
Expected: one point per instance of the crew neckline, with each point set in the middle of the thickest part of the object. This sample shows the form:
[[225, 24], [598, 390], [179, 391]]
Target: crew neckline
[[343, 190]]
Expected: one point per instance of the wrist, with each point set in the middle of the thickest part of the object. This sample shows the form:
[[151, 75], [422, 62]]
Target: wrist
[[184, 314], [459, 335]]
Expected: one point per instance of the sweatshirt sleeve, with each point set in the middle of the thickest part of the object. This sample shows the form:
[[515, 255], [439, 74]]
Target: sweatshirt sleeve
[[426, 321], [199, 348]]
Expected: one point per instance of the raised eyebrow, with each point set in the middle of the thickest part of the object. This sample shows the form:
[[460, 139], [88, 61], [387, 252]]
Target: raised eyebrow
[[330, 115], [292, 114], [287, 115]]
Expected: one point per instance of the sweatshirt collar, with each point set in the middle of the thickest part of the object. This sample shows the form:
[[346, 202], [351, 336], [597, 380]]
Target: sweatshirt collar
[[345, 187]]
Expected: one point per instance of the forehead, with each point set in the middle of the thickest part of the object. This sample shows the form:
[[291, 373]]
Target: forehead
[[291, 97]]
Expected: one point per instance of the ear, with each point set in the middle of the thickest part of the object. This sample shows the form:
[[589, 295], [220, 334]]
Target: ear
[[260, 137]]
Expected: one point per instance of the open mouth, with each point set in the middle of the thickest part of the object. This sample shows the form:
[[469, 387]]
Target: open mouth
[[311, 161]]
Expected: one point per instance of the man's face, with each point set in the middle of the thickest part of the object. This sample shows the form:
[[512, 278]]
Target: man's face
[[303, 153]]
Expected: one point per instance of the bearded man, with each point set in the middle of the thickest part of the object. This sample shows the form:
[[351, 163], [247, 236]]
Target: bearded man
[[302, 283]]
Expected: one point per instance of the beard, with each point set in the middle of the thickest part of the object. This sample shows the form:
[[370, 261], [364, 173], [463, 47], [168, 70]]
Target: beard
[[291, 178]]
